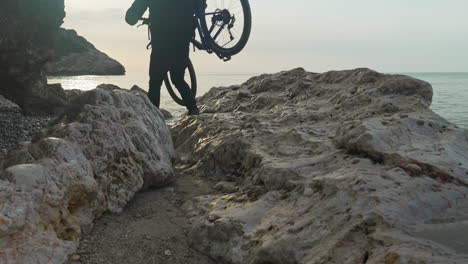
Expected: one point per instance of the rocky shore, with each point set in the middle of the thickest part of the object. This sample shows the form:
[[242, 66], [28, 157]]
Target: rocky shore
[[107, 145], [294, 167], [341, 167], [15, 127]]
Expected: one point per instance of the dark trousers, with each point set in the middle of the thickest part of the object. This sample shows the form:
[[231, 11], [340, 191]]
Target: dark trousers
[[170, 53]]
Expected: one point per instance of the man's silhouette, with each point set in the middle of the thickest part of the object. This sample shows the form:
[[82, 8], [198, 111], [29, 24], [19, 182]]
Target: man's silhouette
[[172, 28]]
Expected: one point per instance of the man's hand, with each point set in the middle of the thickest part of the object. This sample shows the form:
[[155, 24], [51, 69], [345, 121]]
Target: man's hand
[[131, 18], [136, 11]]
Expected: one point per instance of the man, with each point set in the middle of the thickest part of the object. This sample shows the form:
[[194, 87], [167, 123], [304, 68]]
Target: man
[[172, 29]]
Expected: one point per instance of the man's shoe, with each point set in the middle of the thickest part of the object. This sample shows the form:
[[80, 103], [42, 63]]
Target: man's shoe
[[193, 111]]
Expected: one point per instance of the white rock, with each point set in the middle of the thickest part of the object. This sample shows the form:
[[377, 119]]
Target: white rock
[[291, 140], [110, 144]]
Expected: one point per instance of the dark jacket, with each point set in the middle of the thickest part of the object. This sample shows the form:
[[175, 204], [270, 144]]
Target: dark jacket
[[166, 16]]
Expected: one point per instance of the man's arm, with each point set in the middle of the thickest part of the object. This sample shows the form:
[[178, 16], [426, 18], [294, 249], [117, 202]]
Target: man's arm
[[200, 5], [136, 11]]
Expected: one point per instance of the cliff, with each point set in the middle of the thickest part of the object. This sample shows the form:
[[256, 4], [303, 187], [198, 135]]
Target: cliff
[[74, 55], [30, 38], [26, 26]]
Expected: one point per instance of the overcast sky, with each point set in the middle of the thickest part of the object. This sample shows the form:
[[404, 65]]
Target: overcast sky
[[386, 35]]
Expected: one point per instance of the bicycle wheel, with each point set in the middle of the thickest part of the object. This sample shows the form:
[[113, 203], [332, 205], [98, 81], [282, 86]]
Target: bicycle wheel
[[192, 82], [229, 27]]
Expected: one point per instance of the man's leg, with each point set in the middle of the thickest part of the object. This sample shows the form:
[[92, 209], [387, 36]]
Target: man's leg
[[177, 70], [158, 71], [177, 78]]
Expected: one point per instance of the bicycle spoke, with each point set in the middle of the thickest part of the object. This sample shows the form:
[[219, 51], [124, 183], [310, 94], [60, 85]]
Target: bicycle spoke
[[234, 5], [218, 32], [212, 28], [224, 34]]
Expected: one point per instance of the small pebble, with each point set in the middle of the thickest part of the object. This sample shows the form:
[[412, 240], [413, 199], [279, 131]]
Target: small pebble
[[308, 191], [167, 252], [75, 257], [213, 218]]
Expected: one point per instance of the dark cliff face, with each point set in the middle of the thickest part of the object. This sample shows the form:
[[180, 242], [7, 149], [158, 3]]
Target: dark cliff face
[[67, 41], [26, 26], [74, 55]]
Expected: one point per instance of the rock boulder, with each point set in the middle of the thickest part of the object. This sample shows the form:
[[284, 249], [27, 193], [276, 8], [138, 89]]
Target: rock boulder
[[30, 37], [340, 167], [108, 145], [26, 27]]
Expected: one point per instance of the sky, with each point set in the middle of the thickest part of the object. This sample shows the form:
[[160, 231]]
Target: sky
[[318, 35]]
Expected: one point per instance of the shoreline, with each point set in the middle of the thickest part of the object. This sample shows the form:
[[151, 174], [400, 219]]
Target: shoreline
[[288, 161], [445, 91]]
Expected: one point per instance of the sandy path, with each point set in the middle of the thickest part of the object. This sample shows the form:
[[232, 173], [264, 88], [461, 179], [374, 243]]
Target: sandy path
[[152, 229]]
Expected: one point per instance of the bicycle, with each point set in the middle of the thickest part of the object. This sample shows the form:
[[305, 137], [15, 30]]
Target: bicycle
[[215, 31]]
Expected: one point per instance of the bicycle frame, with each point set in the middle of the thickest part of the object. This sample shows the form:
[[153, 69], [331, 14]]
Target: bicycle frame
[[203, 44]]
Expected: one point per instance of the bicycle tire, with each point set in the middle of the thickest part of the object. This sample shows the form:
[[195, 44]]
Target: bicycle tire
[[228, 52], [193, 85]]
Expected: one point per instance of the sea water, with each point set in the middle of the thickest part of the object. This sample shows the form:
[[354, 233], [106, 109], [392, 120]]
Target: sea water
[[205, 83], [450, 95], [450, 89]]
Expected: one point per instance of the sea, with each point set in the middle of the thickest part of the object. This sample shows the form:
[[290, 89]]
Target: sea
[[450, 89]]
